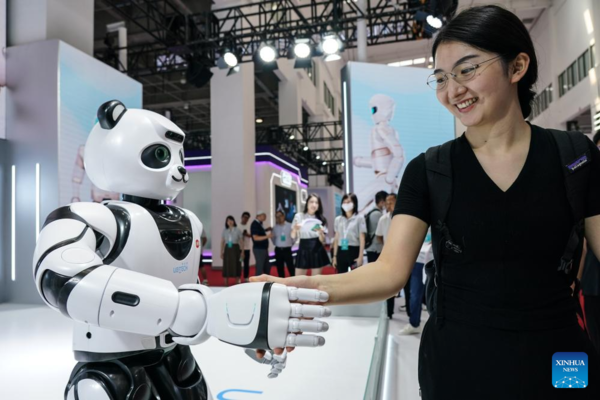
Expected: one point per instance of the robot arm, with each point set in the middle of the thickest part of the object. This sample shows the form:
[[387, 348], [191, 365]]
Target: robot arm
[[73, 275], [390, 138], [363, 162]]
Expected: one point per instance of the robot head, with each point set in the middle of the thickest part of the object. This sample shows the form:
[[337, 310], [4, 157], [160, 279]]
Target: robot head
[[382, 108], [135, 152]]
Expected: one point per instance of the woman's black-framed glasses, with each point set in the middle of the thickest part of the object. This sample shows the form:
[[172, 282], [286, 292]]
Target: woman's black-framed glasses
[[461, 73]]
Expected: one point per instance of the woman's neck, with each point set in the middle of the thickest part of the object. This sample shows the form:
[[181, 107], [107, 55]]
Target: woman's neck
[[349, 214], [501, 135]]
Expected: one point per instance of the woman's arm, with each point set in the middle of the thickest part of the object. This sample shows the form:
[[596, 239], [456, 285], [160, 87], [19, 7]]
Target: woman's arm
[[222, 248], [377, 281]]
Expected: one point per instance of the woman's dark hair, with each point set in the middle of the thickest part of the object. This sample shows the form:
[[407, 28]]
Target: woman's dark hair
[[229, 217], [354, 199], [319, 213], [495, 30]]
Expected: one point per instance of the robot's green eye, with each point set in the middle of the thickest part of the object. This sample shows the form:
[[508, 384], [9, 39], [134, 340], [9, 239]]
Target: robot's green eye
[[162, 154], [373, 110], [156, 156]]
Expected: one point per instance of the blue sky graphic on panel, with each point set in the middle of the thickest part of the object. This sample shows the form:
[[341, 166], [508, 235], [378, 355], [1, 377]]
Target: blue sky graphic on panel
[[85, 83], [419, 119], [570, 370]]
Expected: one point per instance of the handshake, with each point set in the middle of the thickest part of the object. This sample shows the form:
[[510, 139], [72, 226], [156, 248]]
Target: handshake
[[255, 316]]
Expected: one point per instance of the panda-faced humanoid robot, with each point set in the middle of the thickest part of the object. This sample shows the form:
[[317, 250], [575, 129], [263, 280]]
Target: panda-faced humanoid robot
[[387, 154], [126, 272]]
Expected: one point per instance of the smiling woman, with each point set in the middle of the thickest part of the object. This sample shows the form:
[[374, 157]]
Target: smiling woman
[[503, 294]]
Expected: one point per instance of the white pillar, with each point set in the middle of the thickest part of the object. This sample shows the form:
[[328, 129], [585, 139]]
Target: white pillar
[[71, 21], [233, 179], [361, 33], [290, 95]]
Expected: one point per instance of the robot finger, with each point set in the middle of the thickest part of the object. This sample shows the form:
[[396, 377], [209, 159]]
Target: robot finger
[[304, 340], [318, 296], [303, 310], [296, 325]]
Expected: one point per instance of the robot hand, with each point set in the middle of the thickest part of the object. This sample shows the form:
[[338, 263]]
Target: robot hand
[[362, 162], [277, 362], [253, 315]]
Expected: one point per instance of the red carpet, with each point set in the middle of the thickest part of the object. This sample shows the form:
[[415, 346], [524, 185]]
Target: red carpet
[[215, 278]]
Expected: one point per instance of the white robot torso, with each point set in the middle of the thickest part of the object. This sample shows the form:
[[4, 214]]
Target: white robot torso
[[384, 144], [170, 239]]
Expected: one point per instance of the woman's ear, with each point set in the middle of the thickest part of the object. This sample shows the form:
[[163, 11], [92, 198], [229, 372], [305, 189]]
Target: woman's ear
[[519, 67]]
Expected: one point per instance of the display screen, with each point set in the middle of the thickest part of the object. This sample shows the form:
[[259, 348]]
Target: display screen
[[286, 201], [393, 117], [85, 83]]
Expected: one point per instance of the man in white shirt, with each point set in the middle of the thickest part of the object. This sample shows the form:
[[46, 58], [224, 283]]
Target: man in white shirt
[[383, 226], [282, 239], [245, 228], [372, 218]]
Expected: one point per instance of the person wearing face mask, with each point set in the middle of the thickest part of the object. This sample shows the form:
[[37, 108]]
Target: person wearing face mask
[[311, 227], [349, 242], [504, 306], [282, 239]]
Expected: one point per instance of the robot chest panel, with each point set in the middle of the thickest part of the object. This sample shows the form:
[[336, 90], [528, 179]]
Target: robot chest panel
[[164, 244]]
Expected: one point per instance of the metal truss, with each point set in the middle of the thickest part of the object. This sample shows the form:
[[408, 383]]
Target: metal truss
[[292, 140], [179, 39]]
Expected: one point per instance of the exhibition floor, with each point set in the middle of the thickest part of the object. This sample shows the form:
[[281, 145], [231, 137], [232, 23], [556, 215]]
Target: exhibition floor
[[36, 360]]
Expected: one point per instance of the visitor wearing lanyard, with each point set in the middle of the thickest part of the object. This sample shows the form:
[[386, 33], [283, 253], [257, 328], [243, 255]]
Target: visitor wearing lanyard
[[349, 242], [282, 239], [232, 246], [310, 227]]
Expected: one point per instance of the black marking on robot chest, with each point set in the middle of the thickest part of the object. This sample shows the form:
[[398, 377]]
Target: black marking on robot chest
[[175, 230]]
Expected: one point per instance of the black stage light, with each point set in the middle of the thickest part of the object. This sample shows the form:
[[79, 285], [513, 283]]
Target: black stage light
[[198, 71]]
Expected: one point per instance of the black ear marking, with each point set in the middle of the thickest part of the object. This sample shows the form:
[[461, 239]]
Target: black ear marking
[[110, 113]]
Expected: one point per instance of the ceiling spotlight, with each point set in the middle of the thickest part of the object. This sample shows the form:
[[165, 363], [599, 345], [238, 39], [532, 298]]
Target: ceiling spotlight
[[324, 162], [332, 57], [435, 22], [342, 164], [318, 156], [259, 120], [301, 48], [331, 44], [305, 148], [292, 137], [230, 59], [183, 79], [267, 53], [186, 106]]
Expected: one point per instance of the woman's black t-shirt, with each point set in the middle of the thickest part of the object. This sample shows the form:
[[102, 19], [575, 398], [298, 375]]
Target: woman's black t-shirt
[[512, 241]]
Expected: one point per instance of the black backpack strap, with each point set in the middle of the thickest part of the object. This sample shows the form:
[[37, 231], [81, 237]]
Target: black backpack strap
[[574, 151], [439, 181], [369, 237]]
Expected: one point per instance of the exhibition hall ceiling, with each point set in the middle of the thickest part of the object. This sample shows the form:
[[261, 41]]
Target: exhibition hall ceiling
[[190, 105]]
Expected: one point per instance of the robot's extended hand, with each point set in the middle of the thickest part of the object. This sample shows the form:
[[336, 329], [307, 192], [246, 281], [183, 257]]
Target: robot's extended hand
[[257, 316], [277, 362]]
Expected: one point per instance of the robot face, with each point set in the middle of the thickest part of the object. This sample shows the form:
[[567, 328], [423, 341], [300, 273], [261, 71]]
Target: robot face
[[382, 108], [135, 152]]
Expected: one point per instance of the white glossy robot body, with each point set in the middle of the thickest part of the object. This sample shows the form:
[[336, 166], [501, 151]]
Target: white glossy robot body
[[387, 154], [126, 272]]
